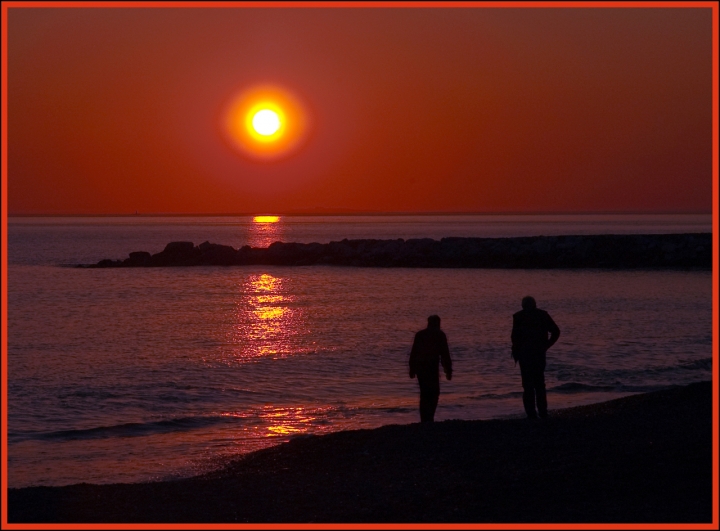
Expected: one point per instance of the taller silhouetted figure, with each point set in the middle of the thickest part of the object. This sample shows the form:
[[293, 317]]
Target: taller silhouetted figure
[[429, 350], [530, 342]]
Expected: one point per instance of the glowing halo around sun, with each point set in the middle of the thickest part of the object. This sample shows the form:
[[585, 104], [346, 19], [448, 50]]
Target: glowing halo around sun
[[265, 122]]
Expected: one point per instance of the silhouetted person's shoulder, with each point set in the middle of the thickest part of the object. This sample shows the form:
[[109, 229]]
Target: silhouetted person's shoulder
[[430, 334], [533, 315], [533, 311]]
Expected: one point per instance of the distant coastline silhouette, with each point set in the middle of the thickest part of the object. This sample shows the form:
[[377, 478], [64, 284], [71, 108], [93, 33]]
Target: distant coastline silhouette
[[530, 343], [429, 350]]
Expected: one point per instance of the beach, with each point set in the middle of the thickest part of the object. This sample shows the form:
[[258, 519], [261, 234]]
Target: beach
[[645, 458], [225, 228]]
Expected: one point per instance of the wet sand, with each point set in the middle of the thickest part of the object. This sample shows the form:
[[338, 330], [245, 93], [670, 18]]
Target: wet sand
[[640, 459]]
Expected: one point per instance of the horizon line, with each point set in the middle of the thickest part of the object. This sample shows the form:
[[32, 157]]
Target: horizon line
[[347, 212]]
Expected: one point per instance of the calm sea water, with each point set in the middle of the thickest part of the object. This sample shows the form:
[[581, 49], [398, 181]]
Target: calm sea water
[[125, 375]]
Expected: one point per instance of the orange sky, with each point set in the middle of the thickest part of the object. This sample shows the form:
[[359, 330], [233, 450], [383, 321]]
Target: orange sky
[[412, 110]]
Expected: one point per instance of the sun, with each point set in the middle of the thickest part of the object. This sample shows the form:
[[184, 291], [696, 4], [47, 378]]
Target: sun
[[265, 122]]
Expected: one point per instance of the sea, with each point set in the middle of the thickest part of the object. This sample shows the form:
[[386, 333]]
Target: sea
[[146, 374]]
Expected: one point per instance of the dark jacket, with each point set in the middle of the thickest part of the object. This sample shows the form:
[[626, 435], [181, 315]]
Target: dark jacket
[[530, 333], [429, 349]]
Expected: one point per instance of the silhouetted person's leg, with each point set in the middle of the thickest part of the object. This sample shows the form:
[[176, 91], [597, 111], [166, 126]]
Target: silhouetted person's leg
[[429, 394], [528, 382], [540, 389], [428, 405]]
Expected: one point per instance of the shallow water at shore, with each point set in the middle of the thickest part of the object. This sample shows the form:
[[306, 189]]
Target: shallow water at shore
[[640, 459], [129, 375]]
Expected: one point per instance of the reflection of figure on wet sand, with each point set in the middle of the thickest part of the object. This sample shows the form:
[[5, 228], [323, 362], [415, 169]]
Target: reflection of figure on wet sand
[[529, 344], [429, 349]]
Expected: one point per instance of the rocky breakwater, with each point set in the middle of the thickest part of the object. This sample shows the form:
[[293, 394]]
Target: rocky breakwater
[[679, 251]]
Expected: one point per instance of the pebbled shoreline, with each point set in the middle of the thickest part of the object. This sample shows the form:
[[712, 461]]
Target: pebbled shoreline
[[641, 251], [640, 459]]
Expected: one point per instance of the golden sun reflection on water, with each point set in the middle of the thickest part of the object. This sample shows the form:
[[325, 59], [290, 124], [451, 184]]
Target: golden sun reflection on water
[[269, 321], [279, 421], [265, 230], [266, 219], [286, 421]]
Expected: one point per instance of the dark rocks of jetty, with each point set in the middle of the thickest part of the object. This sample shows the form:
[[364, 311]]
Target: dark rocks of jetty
[[593, 251]]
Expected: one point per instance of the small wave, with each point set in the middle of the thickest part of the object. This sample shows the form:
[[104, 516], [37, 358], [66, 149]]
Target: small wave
[[183, 386], [132, 429], [397, 409], [575, 387], [701, 364], [491, 396], [704, 364], [89, 393]]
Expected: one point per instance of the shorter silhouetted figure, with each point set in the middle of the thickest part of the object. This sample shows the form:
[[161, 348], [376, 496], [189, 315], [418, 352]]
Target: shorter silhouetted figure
[[530, 342], [430, 349]]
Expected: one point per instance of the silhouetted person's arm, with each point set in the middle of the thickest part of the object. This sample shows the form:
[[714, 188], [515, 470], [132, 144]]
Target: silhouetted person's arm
[[554, 331], [514, 339], [445, 358], [413, 358]]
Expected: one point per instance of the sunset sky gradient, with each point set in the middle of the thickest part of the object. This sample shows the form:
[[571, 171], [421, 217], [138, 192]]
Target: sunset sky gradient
[[483, 110]]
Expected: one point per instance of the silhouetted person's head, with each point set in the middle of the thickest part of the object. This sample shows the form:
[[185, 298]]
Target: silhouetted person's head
[[433, 321], [528, 303]]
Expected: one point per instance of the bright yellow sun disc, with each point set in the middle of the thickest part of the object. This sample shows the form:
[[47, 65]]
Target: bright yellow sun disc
[[266, 122]]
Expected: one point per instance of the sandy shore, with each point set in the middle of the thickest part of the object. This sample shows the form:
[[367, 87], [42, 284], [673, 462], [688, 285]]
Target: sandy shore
[[644, 458]]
